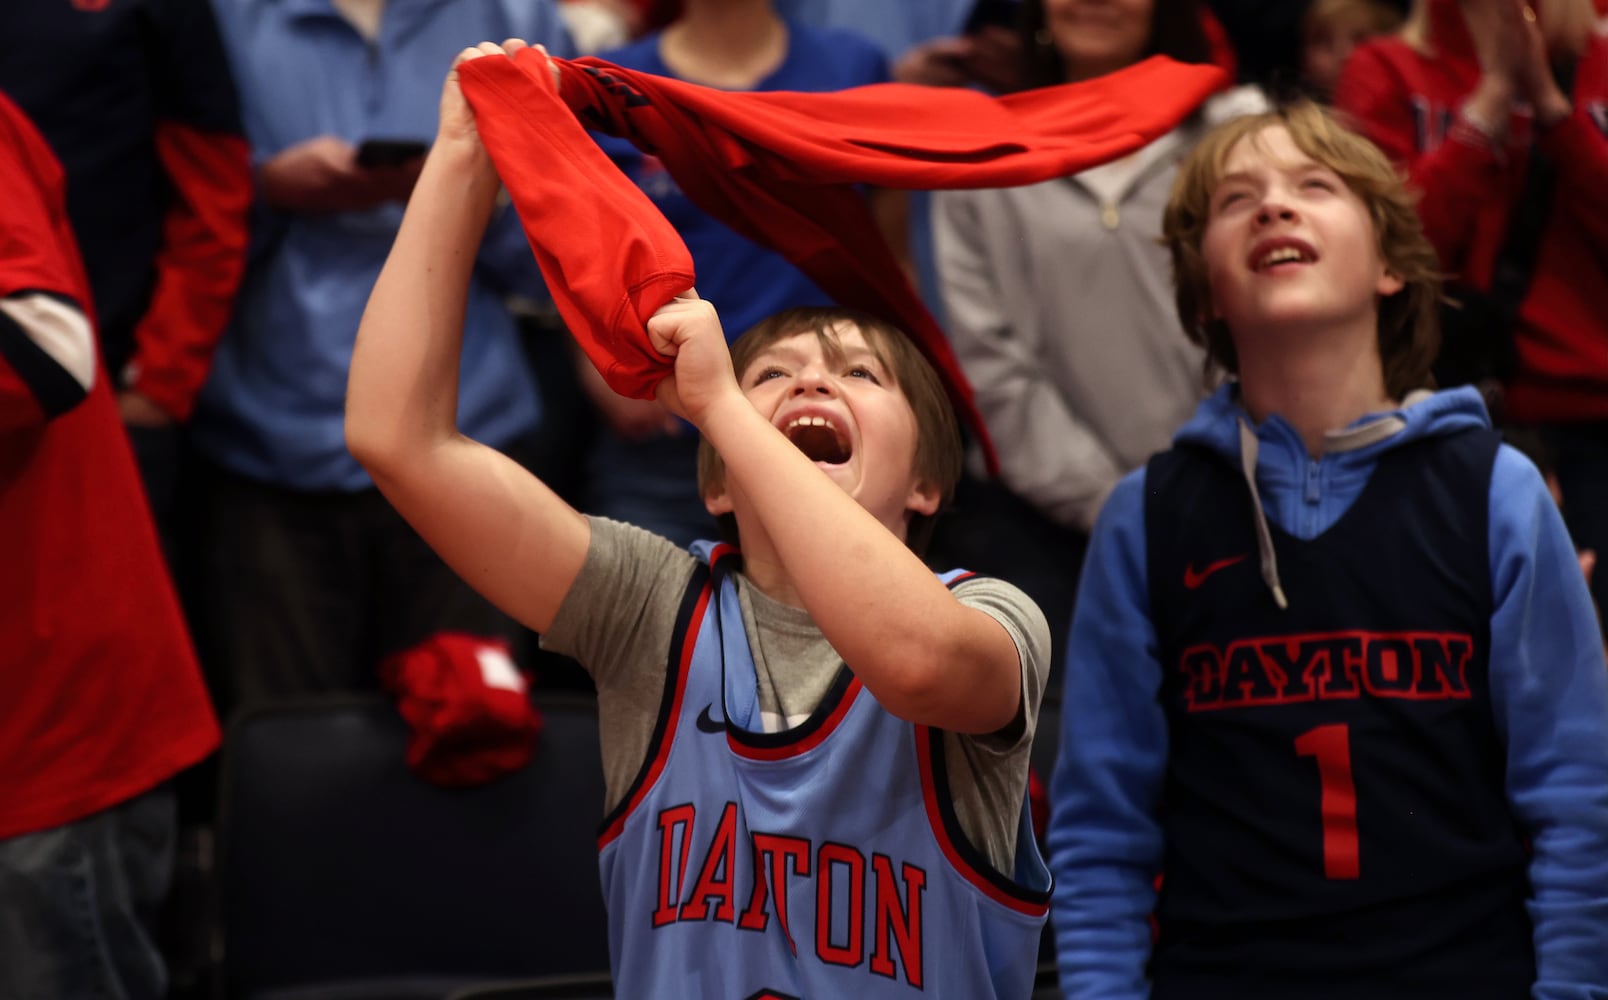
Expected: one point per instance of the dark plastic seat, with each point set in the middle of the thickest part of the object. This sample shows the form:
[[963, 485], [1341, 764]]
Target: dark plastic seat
[[342, 874], [548, 988]]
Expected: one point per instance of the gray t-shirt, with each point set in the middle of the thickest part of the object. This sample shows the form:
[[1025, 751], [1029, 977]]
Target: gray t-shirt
[[618, 618]]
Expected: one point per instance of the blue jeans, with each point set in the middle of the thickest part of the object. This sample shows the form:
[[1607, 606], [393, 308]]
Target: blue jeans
[[78, 904]]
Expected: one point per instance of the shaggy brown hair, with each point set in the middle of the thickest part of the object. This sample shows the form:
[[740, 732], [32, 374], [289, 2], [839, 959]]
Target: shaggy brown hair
[[939, 450]]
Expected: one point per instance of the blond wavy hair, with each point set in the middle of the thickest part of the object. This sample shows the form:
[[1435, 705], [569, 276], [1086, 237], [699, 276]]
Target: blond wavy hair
[[1409, 330]]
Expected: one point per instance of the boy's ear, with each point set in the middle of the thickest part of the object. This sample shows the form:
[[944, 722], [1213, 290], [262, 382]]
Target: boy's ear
[[717, 501], [923, 499]]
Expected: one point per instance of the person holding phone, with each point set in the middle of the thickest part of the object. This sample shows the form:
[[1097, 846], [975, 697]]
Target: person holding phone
[[304, 577], [390, 152]]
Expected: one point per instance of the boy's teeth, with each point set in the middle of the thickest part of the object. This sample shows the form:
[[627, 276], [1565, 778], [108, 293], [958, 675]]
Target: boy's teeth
[[1281, 255]]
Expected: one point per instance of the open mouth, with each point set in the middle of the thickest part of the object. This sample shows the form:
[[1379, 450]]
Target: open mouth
[[819, 439], [1281, 253]]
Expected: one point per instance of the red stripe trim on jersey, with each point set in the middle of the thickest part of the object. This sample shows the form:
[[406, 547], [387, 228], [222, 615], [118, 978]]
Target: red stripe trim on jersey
[[661, 755], [808, 743], [983, 881]]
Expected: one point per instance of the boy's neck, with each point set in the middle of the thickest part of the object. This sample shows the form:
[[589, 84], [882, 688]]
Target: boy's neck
[[766, 572], [1325, 385], [732, 44]]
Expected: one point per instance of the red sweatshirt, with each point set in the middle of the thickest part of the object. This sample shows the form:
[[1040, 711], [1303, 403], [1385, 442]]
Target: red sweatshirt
[[780, 168], [138, 104], [1407, 102], [100, 695]]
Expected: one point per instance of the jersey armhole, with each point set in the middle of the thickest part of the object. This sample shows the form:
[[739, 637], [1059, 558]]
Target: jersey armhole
[[683, 639]]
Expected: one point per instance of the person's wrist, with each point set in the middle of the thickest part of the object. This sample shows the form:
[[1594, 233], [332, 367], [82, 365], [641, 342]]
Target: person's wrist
[[462, 151], [1551, 109], [1483, 118], [727, 409], [1481, 123], [465, 158]]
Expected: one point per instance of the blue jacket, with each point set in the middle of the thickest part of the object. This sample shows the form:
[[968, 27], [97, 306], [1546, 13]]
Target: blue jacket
[[273, 407], [1549, 690]]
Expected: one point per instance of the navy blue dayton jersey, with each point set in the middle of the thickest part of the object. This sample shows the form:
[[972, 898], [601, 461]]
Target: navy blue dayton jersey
[[1334, 810]]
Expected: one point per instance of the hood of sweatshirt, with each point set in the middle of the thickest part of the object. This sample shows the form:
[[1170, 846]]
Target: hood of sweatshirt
[[1303, 494]]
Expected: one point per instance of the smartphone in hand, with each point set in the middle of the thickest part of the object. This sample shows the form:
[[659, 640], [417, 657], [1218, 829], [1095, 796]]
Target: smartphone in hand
[[389, 152]]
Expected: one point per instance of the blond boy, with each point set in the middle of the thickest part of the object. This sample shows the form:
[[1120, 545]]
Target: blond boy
[[1334, 681]]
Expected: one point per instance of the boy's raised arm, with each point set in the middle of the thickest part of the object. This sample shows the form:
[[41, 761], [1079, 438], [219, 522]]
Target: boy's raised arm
[[502, 530]]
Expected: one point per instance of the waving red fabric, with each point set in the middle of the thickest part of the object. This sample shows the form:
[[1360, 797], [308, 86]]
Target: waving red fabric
[[780, 168]]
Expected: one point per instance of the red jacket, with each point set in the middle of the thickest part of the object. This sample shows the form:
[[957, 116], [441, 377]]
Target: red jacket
[[1405, 101], [100, 695], [137, 102], [780, 168]]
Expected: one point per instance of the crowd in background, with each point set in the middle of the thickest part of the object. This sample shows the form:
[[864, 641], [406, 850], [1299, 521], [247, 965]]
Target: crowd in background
[[235, 173]]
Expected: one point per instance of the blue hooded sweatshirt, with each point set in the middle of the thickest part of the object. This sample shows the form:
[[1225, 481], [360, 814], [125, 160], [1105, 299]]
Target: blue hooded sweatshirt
[[1549, 693]]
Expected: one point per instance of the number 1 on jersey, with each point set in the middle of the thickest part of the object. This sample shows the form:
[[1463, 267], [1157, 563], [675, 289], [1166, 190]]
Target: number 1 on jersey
[[1330, 746]]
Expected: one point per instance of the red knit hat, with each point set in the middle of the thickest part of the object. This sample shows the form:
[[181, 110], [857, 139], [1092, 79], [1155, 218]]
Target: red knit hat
[[468, 705]]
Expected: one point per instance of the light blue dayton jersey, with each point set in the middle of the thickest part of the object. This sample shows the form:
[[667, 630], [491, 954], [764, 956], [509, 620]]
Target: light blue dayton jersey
[[824, 861]]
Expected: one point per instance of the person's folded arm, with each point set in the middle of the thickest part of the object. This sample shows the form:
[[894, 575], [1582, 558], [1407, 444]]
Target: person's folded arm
[[1579, 148], [1454, 181]]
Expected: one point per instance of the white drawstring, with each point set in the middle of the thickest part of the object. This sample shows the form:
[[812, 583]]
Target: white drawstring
[[1249, 447], [1350, 439]]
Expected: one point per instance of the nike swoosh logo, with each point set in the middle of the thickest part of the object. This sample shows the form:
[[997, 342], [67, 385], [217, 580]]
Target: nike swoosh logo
[[708, 723], [1193, 577]]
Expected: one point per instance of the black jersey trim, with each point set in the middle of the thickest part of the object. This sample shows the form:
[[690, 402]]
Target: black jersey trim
[[807, 735], [683, 639], [971, 863]]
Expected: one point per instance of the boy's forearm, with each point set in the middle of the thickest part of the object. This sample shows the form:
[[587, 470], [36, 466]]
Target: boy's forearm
[[484, 514], [402, 393], [923, 654]]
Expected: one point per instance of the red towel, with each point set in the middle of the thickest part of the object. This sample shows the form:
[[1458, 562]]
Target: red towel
[[468, 706], [780, 168]]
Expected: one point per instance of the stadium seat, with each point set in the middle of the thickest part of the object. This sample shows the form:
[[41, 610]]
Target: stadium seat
[[344, 876]]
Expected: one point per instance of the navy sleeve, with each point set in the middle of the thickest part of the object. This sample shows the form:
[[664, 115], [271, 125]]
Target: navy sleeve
[[190, 69]]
